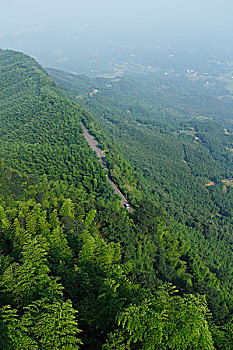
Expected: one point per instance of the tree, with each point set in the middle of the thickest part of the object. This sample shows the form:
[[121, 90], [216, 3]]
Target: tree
[[52, 325], [43, 325], [166, 321]]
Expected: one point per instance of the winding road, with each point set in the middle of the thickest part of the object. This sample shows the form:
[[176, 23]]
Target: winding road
[[94, 144]]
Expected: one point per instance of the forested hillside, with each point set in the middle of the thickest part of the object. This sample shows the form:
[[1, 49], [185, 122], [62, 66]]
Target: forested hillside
[[76, 269], [181, 151]]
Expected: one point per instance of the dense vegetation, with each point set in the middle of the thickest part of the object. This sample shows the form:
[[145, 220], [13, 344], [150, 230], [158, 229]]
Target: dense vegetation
[[76, 269], [181, 151]]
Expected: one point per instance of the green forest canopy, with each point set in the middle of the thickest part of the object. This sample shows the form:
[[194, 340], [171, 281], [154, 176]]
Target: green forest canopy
[[76, 269]]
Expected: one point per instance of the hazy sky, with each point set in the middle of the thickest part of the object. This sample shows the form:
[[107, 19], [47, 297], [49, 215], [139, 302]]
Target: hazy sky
[[61, 32], [123, 16]]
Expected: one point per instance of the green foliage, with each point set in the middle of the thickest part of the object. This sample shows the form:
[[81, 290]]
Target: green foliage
[[52, 326], [170, 145], [166, 322], [223, 336], [13, 334], [42, 326], [28, 279], [71, 257]]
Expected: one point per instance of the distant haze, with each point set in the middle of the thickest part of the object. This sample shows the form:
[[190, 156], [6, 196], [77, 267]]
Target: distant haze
[[57, 32]]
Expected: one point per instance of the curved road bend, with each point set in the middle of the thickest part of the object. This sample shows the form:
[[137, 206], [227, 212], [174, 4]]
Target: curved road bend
[[94, 144]]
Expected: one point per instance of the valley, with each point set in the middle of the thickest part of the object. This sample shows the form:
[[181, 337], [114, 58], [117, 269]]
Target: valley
[[116, 175], [78, 270]]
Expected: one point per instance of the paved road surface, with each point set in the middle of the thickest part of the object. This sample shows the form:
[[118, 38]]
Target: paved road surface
[[94, 144]]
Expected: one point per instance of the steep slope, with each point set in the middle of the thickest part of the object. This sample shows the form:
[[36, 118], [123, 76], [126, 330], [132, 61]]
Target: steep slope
[[181, 159], [39, 128], [71, 258], [176, 151]]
